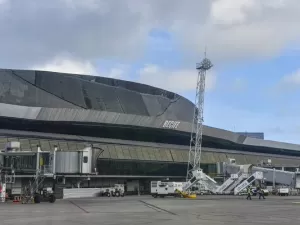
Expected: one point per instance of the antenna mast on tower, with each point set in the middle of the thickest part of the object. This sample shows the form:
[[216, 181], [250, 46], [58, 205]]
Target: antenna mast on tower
[[197, 126]]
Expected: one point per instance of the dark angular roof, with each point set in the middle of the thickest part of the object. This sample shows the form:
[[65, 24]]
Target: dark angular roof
[[59, 90]]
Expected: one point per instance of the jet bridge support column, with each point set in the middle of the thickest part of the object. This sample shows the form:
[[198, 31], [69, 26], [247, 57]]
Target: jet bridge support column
[[54, 160], [54, 168], [274, 178], [37, 172]]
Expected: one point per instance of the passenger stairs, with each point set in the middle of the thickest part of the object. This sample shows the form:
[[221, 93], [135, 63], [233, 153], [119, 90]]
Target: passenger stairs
[[200, 177], [209, 183], [228, 183], [242, 177], [255, 176]]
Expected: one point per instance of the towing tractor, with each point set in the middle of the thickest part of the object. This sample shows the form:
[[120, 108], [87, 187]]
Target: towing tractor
[[45, 195], [116, 191]]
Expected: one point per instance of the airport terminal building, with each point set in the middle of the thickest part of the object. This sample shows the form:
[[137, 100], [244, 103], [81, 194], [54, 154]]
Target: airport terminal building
[[141, 133]]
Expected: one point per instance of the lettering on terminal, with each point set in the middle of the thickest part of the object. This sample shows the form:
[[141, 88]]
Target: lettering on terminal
[[171, 124]]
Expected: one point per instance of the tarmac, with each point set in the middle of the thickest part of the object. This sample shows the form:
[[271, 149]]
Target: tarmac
[[132, 210]]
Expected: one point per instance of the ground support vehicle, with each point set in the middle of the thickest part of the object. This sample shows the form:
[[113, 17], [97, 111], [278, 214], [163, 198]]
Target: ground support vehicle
[[183, 189], [116, 191], [162, 189], [283, 191]]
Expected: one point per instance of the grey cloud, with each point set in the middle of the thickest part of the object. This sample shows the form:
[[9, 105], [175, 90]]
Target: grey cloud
[[35, 31]]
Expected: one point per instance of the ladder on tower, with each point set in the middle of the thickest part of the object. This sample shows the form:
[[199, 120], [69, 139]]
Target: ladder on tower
[[194, 172], [195, 150]]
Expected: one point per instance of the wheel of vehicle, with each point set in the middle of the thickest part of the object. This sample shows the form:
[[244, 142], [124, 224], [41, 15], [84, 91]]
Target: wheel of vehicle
[[122, 195], [107, 194], [52, 198], [37, 199], [117, 194]]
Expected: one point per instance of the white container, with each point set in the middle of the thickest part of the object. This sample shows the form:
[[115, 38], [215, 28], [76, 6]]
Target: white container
[[12, 146]]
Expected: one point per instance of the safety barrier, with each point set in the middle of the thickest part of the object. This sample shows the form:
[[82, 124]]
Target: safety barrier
[[80, 192], [17, 199]]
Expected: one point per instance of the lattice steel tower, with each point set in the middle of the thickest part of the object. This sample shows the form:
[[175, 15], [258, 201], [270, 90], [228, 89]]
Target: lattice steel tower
[[197, 127]]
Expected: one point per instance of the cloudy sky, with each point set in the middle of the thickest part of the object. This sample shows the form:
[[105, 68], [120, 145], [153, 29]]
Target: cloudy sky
[[253, 44]]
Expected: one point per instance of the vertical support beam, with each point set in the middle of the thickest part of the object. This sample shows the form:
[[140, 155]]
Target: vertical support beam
[[37, 172], [54, 168], [54, 160], [274, 178]]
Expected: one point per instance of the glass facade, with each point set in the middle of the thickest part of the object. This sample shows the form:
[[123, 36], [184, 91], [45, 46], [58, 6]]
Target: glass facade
[[139, 168], [156, 160], [122, 167]]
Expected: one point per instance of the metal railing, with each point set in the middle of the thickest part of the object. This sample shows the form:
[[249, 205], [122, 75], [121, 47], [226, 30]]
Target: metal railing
[[46, 169]]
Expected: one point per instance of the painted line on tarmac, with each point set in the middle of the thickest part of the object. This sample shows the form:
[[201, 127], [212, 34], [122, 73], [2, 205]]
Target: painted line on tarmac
[[154, 206], [82, 209], [151, 207]]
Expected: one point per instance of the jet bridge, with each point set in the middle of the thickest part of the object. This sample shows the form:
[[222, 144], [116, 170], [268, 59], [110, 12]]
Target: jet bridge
[[276, 176], [244, 175]]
